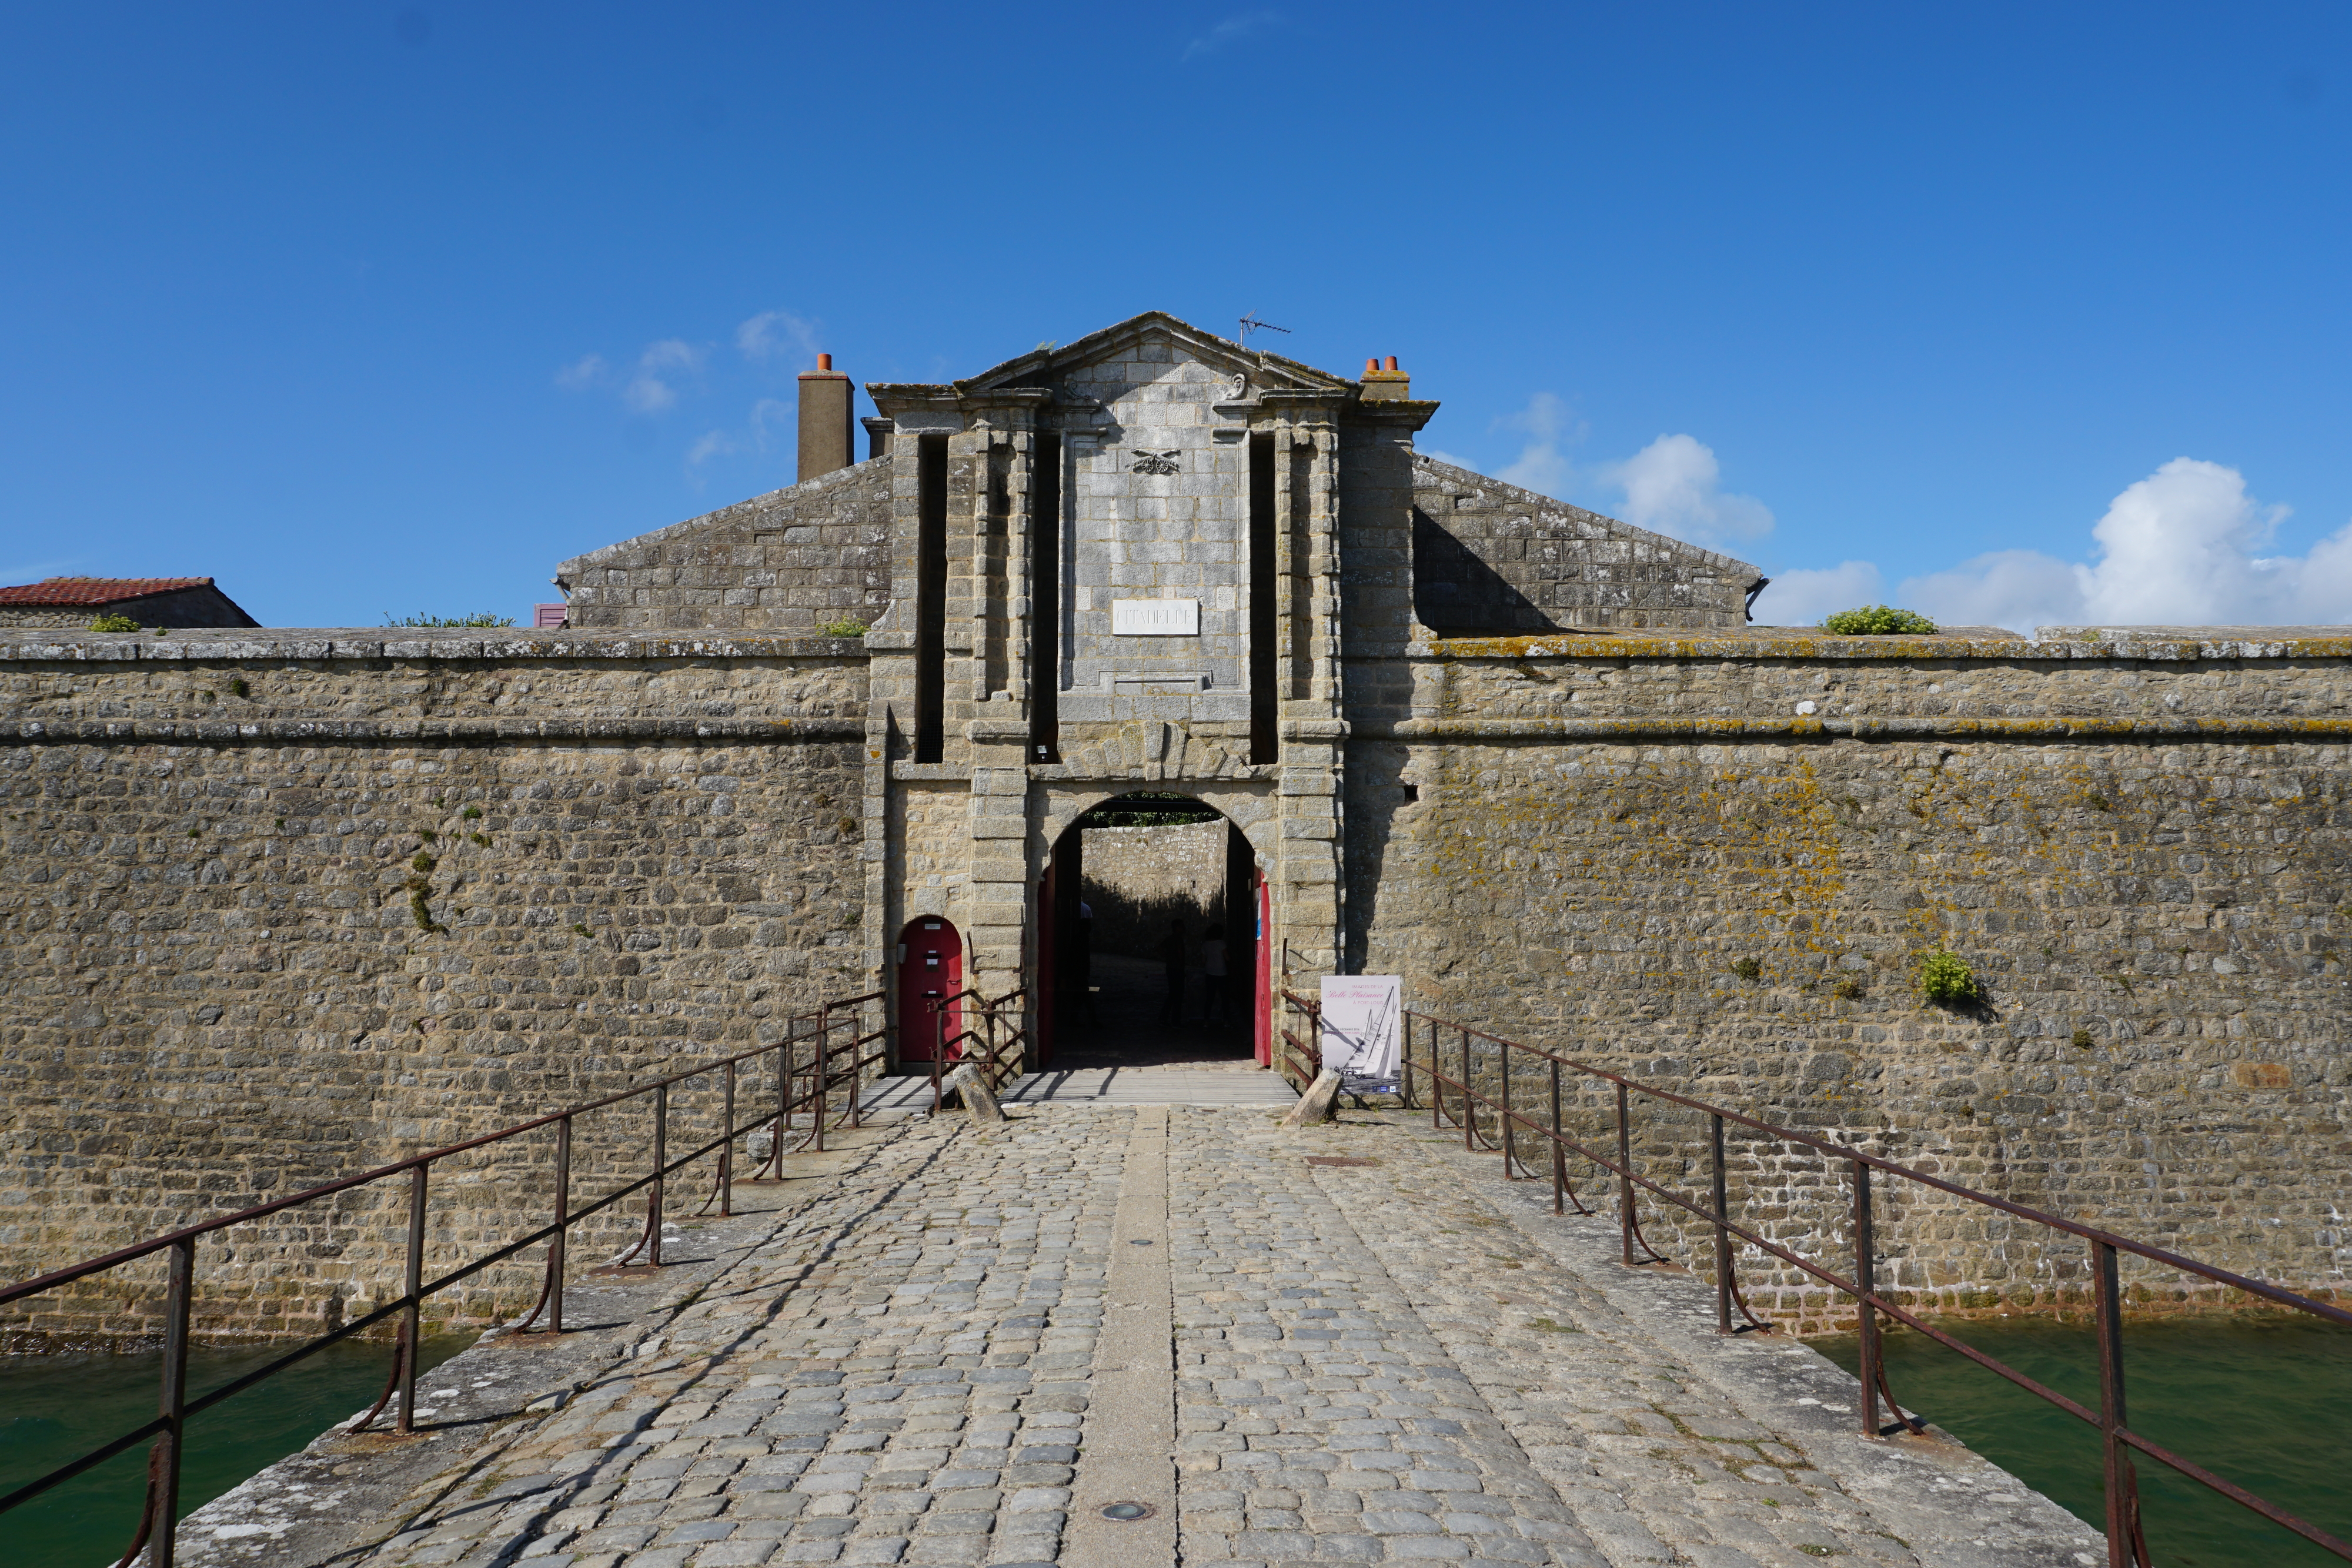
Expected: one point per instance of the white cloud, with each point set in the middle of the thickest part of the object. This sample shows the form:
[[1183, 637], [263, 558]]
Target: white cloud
[[649, 390], [2019, 589], [1675, 487], [1227, 31], [2178, 548], [713, 443], [770, 414], [1541, 465], [648, 395], [1803, 598], [587, 371], [774, 332]]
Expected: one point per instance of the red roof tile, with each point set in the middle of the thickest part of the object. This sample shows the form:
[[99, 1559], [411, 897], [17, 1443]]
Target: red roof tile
[[96, 590]]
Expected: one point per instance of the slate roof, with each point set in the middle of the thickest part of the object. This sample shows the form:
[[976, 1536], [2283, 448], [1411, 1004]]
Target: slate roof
[[96, 590]]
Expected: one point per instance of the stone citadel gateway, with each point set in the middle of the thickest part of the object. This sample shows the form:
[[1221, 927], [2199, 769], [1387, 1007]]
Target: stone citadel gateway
[[283, 903]]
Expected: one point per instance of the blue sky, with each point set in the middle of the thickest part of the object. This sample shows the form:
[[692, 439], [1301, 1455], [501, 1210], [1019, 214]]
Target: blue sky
[[370, 308]]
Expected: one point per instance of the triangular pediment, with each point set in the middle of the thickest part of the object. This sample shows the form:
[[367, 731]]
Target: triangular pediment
[[1049, 367]]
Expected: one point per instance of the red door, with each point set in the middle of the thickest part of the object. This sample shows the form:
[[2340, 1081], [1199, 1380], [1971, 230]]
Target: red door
[[1265, 966], [1041, 1000], [930, 970]]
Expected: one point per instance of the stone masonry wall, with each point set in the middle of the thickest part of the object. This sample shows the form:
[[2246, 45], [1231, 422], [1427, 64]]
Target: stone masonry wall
[[1660, 859], [1492, 558], [788, 563], [1137, 879], [273, 911]]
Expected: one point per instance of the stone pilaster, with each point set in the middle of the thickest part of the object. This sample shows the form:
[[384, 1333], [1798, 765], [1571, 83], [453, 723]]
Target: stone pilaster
[[1308, 913]]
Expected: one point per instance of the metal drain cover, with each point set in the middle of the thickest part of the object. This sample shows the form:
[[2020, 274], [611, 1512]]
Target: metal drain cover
[[1128, 1512]]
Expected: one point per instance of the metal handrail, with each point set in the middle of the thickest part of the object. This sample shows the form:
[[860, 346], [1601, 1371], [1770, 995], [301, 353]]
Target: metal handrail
[[2126, 1542], [948, 1049], [158, 1515], [1308, 1052]]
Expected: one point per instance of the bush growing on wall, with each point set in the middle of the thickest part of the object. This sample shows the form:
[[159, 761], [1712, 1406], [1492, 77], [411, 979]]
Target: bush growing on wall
[[1878, 620], [479, 618], [1945, 980]]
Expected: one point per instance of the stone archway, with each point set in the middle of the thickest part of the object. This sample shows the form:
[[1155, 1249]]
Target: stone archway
[[1154, 858]]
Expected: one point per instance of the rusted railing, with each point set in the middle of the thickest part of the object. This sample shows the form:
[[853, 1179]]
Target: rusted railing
[[810, 1070], [1456, 1060], [1298, 1059], [996, 1047]]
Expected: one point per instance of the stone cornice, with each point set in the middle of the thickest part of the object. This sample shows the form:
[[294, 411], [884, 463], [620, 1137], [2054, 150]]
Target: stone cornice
[[1817, 646], [2070, 726], [897, 399], [331, 645], [428, 731], [1408, 413]]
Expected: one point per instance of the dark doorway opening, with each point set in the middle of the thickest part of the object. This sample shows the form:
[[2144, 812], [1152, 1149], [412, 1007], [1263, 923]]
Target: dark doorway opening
[[1146, 898]]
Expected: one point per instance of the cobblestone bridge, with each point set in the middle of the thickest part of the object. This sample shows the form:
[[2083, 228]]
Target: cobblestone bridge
[[951, 1344]]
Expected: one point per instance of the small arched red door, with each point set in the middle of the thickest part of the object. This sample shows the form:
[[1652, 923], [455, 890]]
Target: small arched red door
[[930, 970]]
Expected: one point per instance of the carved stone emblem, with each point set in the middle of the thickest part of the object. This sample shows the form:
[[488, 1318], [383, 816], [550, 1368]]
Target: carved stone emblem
[[1156, 462], [1237, 387]]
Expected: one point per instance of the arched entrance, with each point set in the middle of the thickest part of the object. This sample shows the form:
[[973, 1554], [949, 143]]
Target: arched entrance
[[1167, 891], [930, 970]]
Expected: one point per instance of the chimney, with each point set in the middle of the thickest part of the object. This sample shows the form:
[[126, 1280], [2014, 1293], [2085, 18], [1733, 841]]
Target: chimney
[[1382, 384], [825, 426]]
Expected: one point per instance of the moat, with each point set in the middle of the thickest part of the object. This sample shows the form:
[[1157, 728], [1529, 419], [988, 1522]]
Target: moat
[[2257, 1390], [53, 1407]]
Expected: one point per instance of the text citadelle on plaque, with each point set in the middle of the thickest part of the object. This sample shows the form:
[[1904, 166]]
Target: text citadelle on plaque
[[1155, 617]]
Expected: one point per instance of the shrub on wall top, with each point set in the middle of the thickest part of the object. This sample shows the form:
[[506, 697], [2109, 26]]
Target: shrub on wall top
[[1878, 620], [479, 618]]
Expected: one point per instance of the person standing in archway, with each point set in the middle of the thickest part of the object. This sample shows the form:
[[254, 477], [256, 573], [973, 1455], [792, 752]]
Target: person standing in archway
[[1212, 975], [1082, 967], [1172, 964]]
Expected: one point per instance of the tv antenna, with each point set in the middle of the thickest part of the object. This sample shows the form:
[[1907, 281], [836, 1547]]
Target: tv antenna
[[1249, 323]]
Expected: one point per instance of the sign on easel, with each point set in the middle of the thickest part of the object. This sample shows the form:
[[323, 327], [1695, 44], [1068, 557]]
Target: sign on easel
[[1364, 1027]]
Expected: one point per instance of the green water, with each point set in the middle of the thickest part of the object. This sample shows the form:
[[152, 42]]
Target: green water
[[2260, 1402], [54, 1408]]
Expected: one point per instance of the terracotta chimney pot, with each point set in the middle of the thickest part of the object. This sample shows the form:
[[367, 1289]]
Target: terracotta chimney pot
[[1381, 384]]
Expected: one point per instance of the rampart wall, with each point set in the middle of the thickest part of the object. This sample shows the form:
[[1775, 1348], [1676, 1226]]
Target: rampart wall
[[278, 907], [1138, 879], [253, 936], [1715, 865]]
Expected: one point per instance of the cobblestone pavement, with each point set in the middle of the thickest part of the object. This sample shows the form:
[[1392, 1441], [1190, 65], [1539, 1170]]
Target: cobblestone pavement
[[1367, 1363]]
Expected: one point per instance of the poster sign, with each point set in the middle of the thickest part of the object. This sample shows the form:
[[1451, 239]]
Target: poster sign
[[1364, 1026]]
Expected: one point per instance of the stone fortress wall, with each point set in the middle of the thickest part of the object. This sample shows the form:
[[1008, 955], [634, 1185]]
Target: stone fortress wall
[[787, 563], [2138, 848], [252, 936], [1715, 865], [219, 857], [1138, 879]]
